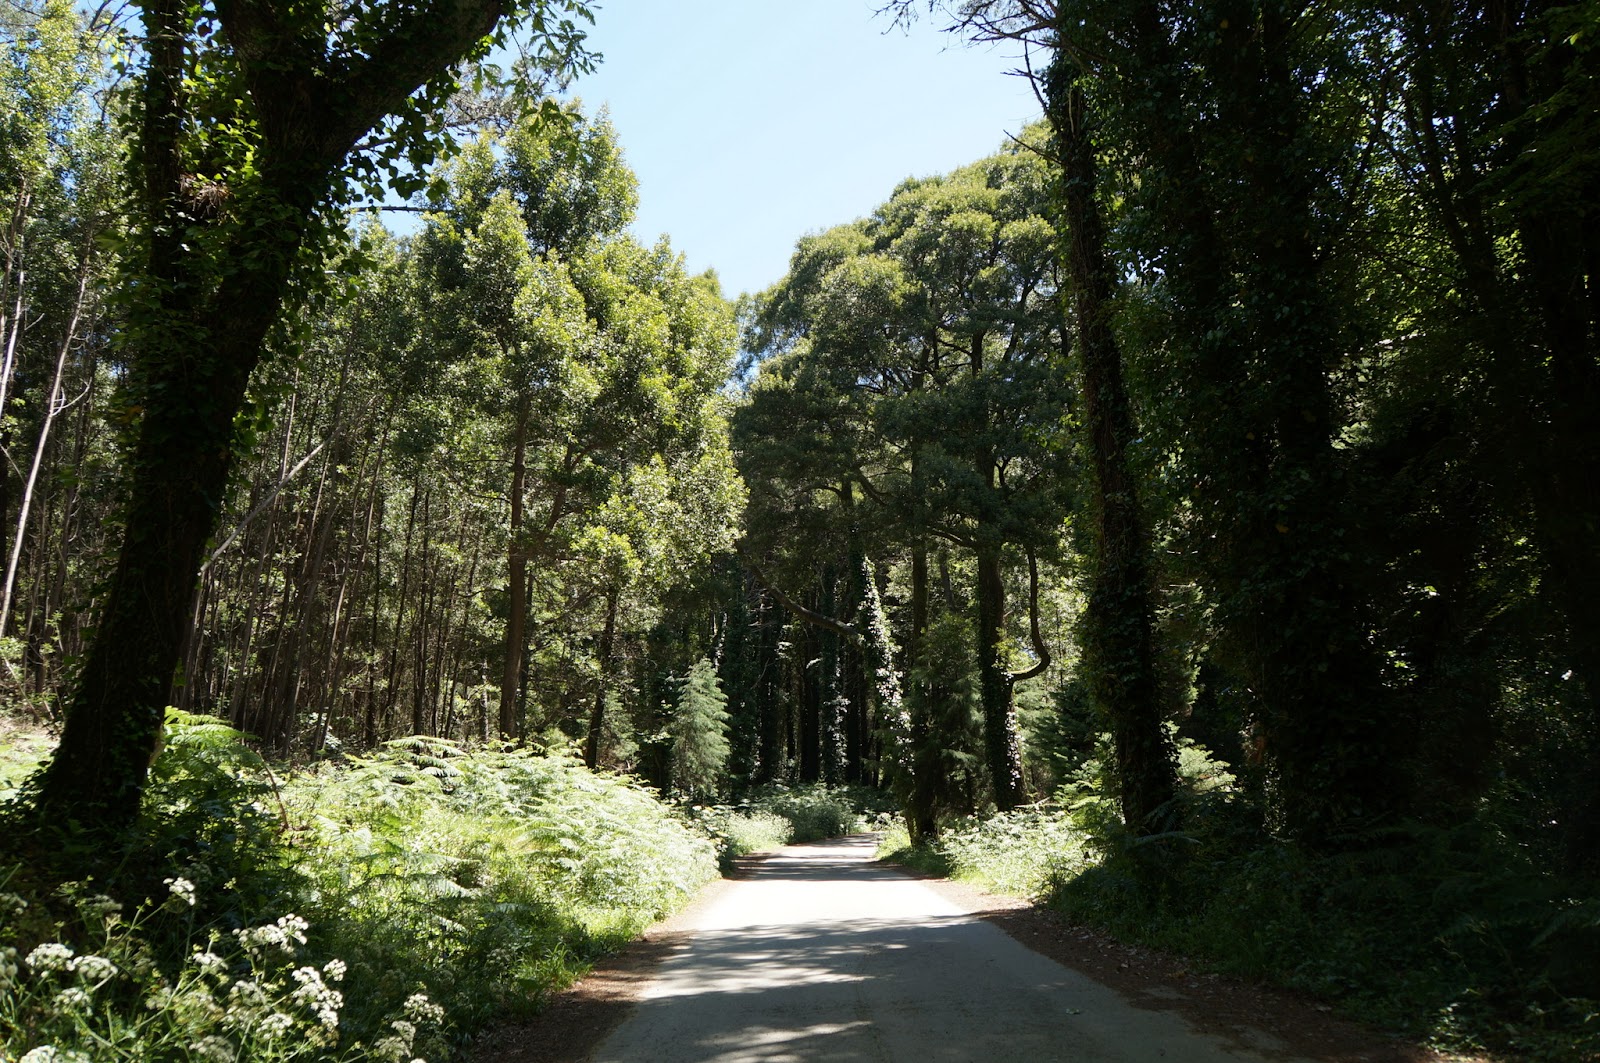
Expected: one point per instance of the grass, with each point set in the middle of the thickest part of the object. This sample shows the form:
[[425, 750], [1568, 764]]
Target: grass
[[23, 746]]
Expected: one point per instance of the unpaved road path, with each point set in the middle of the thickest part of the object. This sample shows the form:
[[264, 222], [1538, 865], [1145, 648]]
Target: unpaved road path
[[821, 954]]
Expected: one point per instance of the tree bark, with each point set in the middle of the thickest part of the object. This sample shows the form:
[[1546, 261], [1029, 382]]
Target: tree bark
[[516, 580], [597, 718], [1118, 620]]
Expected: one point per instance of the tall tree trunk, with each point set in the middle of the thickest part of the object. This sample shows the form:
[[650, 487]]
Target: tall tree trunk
[[207, 302], [516, 580], [1118, 620], [1001, 741], [597, 718], [920, 810]]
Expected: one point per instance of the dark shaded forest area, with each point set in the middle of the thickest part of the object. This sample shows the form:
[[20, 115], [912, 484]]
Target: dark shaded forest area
[[1207, 483]]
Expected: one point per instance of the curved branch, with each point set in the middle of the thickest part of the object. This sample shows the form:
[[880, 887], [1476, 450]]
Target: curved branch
[[1039, 646], [810, 616]]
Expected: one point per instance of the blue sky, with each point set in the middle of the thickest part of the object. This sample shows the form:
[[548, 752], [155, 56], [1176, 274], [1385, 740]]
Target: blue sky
[[753, 122]]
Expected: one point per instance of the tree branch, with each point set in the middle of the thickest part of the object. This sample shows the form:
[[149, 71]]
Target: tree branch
[[810, 616], [1039, 646]]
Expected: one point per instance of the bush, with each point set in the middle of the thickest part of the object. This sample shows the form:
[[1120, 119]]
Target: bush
[[441, 885], [813, 812], [737, 832], [1456, 935]]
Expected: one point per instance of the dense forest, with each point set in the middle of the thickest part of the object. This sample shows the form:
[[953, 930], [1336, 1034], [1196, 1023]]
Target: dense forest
[[1213, 470]]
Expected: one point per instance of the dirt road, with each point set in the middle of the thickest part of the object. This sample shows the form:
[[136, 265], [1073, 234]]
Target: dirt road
[[823, 955]]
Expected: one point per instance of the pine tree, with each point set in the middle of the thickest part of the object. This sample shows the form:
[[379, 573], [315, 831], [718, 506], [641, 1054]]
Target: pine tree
[[699, 731]]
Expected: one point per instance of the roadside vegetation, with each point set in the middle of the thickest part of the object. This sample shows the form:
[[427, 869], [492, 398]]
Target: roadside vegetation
[[1455, 937], [385, 907], [376, 907], [1186, 514]]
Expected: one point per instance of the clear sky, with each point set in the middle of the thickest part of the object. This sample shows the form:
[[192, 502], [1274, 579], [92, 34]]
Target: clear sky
[[753, 122]]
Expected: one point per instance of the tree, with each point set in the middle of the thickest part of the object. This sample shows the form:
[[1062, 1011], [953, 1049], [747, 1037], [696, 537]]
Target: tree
[[58, 169], [248, 122], [699, 731], [913, 369], [1118, 622]]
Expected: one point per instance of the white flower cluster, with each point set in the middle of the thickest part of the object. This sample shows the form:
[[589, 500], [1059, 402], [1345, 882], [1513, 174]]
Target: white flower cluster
[[73, 999], [282, 935], [51, 956], [397, 1046], [213, 1049], [8, 968], [181, 892], [211, 965], [52, 1054], [11, 904], [323, 1001], [99, 906], [420, 1009], [96, 969]]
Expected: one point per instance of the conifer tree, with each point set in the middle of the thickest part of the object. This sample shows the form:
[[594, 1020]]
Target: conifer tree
[[699, 731]]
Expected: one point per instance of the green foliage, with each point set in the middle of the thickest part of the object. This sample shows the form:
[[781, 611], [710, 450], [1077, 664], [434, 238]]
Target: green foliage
[[385, 907], [813, 812], [740, 831], [1447, 934], [1454, 935], [23, 749], [699, 731]]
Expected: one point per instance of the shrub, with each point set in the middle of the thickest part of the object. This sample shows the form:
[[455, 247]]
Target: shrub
[[739, 832], [439, 884], [813, 812]]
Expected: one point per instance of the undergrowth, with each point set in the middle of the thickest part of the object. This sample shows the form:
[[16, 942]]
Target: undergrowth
[[775, 815], [380, 908], [1456, 936]]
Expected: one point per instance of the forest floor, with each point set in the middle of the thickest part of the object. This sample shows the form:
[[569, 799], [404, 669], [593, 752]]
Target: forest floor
[[1253, 1020]]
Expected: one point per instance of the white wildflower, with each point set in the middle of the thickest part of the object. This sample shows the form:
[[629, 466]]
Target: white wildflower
[[334, 970], [281, 935], [182, 890], [214, 1049], [95, 969], [407, 1031], [99, 906], [210, 964], [275, 1025], [246, 994], [324, 1001], [391, 1049], [12, 904], [52, 1054], [8, 967], [51, 956], [294, 927], [421, 1009], [71, 999]]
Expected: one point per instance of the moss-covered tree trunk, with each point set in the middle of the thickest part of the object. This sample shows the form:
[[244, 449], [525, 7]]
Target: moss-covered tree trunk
[[1118, 645], [218, 252]]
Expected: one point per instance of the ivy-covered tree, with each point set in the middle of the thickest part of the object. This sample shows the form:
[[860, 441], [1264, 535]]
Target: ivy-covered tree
[[249, 122]]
